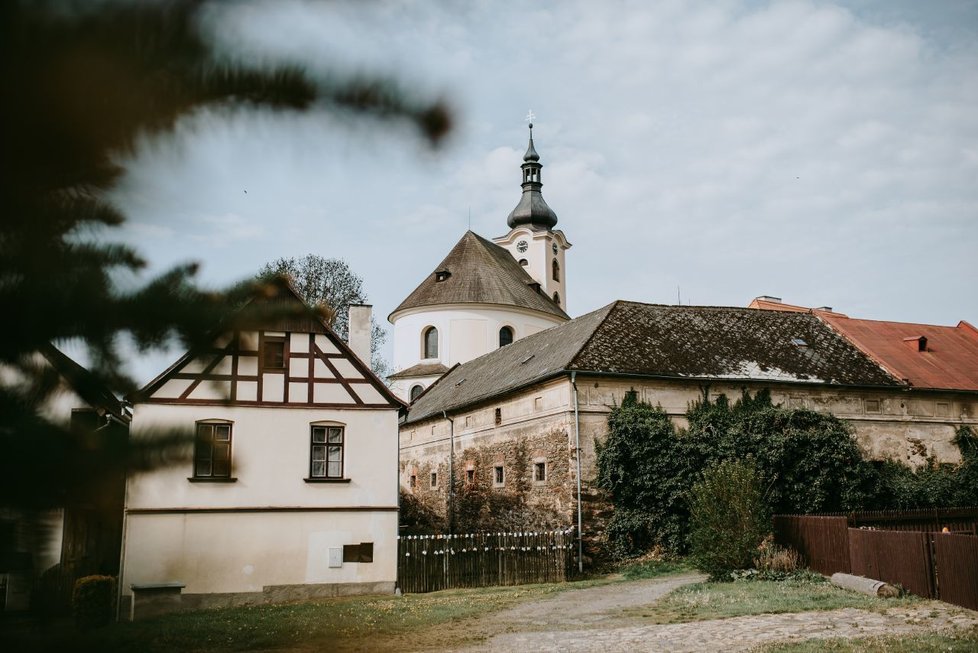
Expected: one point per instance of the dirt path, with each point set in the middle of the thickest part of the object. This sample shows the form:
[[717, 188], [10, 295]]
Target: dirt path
[[592, 620]]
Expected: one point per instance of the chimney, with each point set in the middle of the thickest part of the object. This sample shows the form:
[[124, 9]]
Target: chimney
[[359, 331]]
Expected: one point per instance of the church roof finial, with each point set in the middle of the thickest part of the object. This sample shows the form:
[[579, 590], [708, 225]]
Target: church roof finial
[[532, 209]]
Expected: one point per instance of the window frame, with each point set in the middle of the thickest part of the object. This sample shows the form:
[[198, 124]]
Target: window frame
[[212, 476], [499, 475], [538, 465], [416, 387], [555, 270], [325, 444], [512, 335], [429, 350], [262, 358]]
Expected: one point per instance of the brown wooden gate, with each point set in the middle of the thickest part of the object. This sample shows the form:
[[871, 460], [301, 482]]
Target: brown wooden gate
[[956, 562]]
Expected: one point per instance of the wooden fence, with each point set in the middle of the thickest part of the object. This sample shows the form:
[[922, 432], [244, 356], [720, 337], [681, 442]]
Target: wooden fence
[[902, 548], [427, 563]]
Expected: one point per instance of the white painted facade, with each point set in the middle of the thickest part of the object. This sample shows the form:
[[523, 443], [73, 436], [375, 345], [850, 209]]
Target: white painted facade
[[269, 517], [465, 331], [269, 527]]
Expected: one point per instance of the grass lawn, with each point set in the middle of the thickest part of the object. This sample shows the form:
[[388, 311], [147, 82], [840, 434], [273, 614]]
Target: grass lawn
[[342, 624], [927, 643], [704, 601]]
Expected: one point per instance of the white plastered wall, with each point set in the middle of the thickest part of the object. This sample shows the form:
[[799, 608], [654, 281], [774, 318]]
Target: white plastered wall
[[283, 526]]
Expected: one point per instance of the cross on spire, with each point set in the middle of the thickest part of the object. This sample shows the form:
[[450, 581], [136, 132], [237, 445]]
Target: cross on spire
[[530, 116]]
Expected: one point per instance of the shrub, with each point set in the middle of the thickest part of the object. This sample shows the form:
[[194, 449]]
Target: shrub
[[772, 558], [92, 601], [728, 519], [643, 467]]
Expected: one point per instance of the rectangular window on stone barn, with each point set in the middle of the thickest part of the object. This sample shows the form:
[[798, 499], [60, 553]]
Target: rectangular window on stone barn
[[540, 471], [414, 481], [498, 476], [470, 476], [499, 416], [434, 479], [942, 409], [212, 451], [872, 405]]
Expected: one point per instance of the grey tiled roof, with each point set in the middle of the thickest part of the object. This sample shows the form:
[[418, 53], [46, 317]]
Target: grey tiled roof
[[421, 369], [695, 342], [480, 272]]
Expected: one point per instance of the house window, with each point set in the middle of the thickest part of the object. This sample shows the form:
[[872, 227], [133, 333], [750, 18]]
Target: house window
[[557, 299], [499, 416], [212, 450], [431, 342], [505, 336], [524, 262], [326, 460], [555, 269], [416, 391], [540, 471], [470, 476], [498, 476], [872, 405], [414, 481], [273, 354], [434, 479]]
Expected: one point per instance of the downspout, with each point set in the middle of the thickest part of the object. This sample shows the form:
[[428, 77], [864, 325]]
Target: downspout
[[577, 445], [451, 473]]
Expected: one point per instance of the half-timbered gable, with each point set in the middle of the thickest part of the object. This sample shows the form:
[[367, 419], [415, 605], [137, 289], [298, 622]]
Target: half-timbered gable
[[295, 361]]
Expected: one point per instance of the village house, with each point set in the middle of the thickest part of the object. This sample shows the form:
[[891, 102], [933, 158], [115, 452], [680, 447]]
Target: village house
[[84, 537], [292, 489]]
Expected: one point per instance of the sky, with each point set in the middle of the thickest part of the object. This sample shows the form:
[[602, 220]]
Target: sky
[[703, 152]]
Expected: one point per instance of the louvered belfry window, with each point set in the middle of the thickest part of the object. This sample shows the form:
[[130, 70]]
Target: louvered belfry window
[[327, 452], [212, 451]]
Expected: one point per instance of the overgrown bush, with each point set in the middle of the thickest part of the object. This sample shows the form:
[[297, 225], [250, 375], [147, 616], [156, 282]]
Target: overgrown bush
[[92, 601], [416, 518], [774, 559], [643, 467], [728, 518]]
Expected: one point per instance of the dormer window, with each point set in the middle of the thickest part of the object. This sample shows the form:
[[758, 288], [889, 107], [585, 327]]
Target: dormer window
[[441, 275], [917, 342], [799, 342]]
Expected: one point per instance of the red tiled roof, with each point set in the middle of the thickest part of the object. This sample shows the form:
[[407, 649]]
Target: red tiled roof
[[950, 361]]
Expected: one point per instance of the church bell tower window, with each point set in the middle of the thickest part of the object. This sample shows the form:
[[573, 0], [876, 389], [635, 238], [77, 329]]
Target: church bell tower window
[[505, 336]]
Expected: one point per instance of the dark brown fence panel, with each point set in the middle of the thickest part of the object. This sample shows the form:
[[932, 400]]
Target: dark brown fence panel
[[897, 557], [427, 563], [822, 541], [956, 563]]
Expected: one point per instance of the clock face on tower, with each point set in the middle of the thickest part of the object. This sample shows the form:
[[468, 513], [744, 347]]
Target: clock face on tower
[[521, 246]]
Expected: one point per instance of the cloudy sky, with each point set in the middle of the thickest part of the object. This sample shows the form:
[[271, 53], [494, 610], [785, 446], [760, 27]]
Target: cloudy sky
[[823, 152]]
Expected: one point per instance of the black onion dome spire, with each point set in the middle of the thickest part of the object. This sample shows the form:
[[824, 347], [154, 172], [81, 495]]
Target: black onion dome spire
[[532, 209]]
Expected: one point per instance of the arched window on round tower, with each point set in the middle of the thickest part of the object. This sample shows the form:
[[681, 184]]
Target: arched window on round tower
[[416, 391], [556, 270], [430, 343], [505, 336]]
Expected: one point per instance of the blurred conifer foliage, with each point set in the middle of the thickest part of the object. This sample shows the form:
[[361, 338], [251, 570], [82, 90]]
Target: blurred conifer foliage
[[81, 82]]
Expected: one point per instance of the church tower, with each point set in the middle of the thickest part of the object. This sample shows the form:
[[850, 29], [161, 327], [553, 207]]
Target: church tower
[[485, 294], [532, 240]]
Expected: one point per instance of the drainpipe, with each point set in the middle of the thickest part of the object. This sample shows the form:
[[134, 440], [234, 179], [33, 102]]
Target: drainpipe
[[577, 444], [451, 473]]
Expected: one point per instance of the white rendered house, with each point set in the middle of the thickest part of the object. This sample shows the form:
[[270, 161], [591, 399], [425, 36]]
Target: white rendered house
[[292, 490], [485, 294]]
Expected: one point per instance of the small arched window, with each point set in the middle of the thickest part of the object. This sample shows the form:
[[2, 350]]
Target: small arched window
[[524, 262], [416, 390], [505, 336], [431, 342], [556, 270], [557, 299]]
